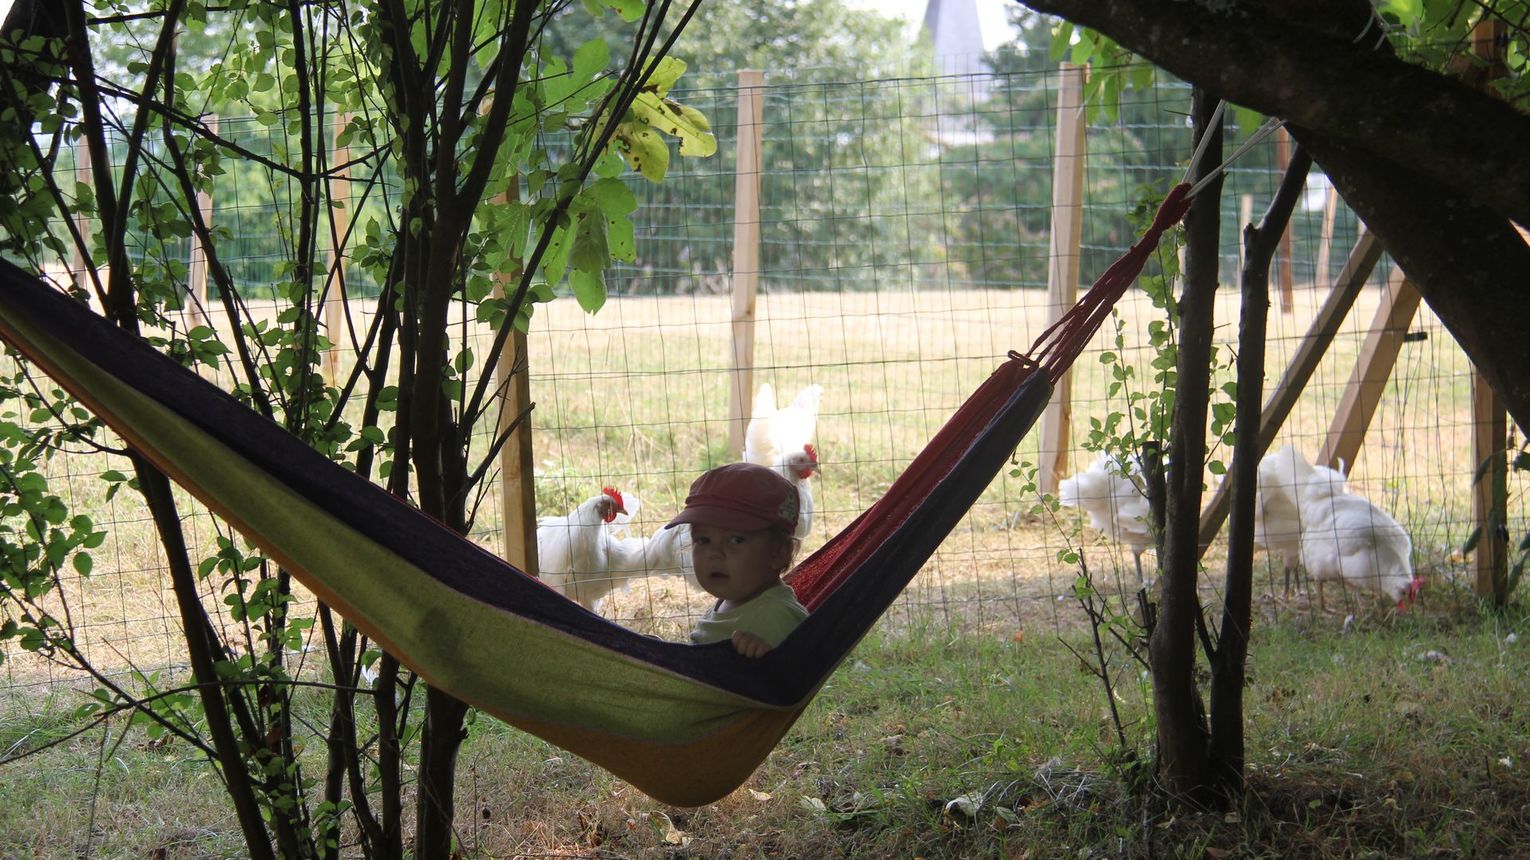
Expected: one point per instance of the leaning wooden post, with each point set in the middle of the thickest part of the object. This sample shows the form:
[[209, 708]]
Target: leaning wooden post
[[1320, 334], [1368, 378], [196, 270], [746, 250], [517, 486], [1068, 163]]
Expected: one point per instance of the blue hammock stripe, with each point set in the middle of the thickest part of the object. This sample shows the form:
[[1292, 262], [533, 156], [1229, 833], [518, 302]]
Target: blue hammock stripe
[[685, 724]]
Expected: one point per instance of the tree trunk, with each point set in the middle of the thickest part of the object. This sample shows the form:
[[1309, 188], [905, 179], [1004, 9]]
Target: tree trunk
[[1228, 661], [1469, 264], [435, 808], [1333, 75], [1182, 753]]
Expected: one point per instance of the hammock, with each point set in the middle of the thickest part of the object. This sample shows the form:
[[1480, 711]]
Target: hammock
[[685, 724]]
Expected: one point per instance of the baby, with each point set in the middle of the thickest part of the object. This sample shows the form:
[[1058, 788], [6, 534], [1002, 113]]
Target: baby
[[742, 518]]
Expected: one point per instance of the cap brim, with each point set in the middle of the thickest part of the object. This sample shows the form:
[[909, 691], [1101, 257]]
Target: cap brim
[[721, 517]]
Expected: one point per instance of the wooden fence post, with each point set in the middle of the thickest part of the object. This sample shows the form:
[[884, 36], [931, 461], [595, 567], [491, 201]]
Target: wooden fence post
[[1330, 211], [1283, 254], [1068, 164], [196, 269], [1490, 423], [335, 322], [746, 251], [77, 265], [517, 485]]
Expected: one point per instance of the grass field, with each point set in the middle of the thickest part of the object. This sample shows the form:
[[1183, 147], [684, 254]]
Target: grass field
[[1398, 740], [1393, 740]]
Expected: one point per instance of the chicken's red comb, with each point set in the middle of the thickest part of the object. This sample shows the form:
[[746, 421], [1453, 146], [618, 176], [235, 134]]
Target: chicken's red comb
[[614, 494], [811, 452]]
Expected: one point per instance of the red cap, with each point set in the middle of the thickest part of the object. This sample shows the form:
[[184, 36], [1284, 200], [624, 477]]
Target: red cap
[[742, 497]]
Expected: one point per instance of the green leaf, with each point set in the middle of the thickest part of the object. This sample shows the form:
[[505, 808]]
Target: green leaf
[[686, 124], [590, 252], [627, 10], [645, 152], [589, 289], [612, 196], [621, 237], [590, 59]]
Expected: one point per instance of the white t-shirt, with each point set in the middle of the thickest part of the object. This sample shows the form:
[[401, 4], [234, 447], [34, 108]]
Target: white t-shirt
[[771, 615]]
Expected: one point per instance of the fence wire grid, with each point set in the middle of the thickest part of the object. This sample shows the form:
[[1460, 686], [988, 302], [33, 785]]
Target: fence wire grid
[[905, 240]]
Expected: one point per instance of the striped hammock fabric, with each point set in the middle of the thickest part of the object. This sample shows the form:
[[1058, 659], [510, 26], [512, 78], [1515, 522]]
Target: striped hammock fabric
[[685, 724]]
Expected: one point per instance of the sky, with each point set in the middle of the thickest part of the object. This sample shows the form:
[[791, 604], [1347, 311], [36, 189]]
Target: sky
[[993, 15]]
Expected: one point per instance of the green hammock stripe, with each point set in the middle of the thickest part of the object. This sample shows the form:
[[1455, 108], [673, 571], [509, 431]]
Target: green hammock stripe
[[684, 724], [493, 659]]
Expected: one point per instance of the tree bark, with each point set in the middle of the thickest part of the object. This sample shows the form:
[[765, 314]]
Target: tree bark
[[1182, 752], [1470, 265], [436, 807], [1433, 167], [1229, 661], [1327, 81]]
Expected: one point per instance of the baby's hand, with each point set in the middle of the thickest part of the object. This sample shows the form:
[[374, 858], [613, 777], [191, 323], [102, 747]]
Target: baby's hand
[[749, 645]]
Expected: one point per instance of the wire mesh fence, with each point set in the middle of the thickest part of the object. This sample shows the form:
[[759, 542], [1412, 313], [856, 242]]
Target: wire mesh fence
[[905, 236]]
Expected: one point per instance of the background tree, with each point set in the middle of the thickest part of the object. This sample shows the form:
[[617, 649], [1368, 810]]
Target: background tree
[[827, 69], [448, 103]]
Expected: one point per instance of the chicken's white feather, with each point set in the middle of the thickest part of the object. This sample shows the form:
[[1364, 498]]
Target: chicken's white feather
[[573, 551], [773, 433], [1347, 538], [1114, 503]]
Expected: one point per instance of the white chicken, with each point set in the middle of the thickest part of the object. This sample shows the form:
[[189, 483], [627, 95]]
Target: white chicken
[[573, 551], [1116, 505], [774, 433], [798, 467], [667, 552], [1277, 517], [1345, 538], [1277, 514]]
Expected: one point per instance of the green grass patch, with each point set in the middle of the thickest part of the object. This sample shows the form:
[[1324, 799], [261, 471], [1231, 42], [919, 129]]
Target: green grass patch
[[1403, 739]]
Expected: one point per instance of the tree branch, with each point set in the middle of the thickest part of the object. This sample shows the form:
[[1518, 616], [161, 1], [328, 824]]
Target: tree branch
[[1330, 84]]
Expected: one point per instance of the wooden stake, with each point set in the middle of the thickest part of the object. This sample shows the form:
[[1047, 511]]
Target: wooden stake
[[1245, 218], [340, 215], [196, 269], [517, 484], [1490, 428], [1068, 164], [746, 251]]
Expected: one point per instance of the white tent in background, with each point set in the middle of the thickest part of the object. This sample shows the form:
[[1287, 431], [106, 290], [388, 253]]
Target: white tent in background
[[956, 32]]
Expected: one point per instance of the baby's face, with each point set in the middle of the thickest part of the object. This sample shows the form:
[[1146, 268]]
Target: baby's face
[[737, 566]]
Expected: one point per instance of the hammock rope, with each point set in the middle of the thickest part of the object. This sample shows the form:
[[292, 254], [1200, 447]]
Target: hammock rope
[[1058, 346]]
